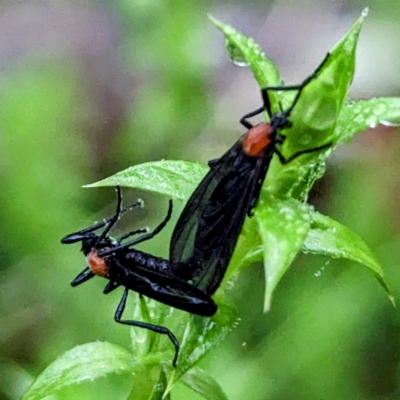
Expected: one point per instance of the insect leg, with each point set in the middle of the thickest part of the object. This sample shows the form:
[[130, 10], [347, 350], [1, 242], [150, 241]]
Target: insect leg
[[84, 276], [155, 328], [137, 231], [142, 238], [82, 234], [284, 160], [299, 87], [248, 124], [112, 285], [111, 221]]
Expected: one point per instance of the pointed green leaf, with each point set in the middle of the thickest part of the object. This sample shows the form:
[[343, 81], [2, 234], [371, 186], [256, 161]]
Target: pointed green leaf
[[248, 248], [160, 387], [83, 363], [141, 339], [314, 119], [357, 117], [150, 347], [149, 381], [283, 226], [330, 238], [245, 50], [203, 384], [203, 334], [175, 179], [14, 380], [345, 57]]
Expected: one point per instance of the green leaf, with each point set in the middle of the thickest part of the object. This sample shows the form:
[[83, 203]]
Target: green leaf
[[329, 238], [245, 50], [149, 382], [344, 58], [141, 339], [14, 380], [149, 347], [83, 363], [197, 336], [160, 387], [283, 226], [314, 119], [248, 249], [203, 334], [176, 179], [325, 237], [203, 384], [358, 116]]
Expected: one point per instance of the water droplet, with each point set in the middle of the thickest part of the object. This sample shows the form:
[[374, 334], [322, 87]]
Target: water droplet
[[289, 217], [170, 312], [229, 285], [372, 121], [211, 325], [380, 108], [392, 123], [318, 273], [305, 139], [359, 119], [365, 12], [300, 231], [141, 337], [236, 55]]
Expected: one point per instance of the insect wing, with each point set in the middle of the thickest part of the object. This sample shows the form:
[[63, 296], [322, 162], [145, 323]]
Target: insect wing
[[206, 233], [186, 228], [165, 288]]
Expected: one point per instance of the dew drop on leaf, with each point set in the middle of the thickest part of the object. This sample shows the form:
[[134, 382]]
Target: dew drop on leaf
[[372, 121], [380, 109], [365, 12], [391, 123], [236, 55]]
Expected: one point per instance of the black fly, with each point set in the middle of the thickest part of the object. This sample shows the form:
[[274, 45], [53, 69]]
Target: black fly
[[207, 230], [143, 273]]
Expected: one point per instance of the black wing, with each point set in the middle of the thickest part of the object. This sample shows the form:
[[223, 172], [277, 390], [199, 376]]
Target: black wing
[[163, 287], [207, 230]]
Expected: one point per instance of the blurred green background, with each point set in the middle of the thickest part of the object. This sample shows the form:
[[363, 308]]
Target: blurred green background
[[89, 88]]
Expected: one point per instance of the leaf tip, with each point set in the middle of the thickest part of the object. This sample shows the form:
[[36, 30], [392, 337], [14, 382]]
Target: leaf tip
[[365, 12], [170, 384], [210, 17], [90, 185], [101, 183], [215, 21], [267, 303]]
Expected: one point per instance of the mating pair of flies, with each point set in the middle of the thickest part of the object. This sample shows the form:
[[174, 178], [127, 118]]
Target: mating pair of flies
[[206, 232]]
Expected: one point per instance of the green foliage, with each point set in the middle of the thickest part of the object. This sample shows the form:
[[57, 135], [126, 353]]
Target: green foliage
[[358, 116], [175, 179], [282, 227], [150, 359], [203, 384], [87, 362]]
